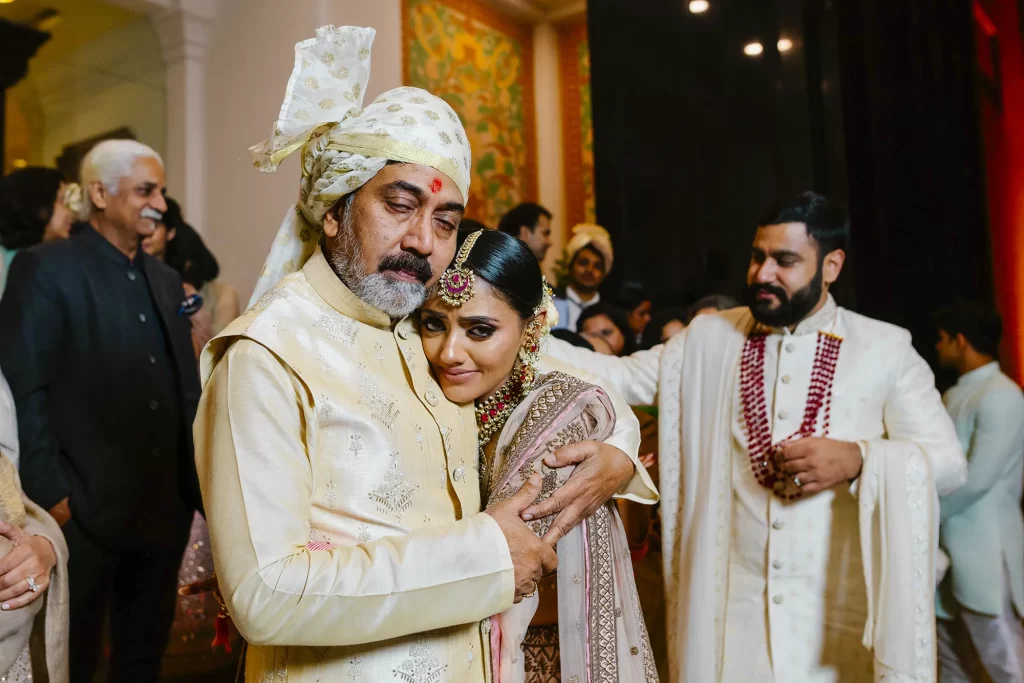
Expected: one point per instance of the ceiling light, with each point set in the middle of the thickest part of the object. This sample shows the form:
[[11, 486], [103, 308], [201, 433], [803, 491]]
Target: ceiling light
[[699, 6], [784, 44], [753, 49], [17, 163]]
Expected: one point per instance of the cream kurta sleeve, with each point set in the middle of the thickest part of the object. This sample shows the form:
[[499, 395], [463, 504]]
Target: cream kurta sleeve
[[625, 436], [914, 416], [257, 484], [634, 378]]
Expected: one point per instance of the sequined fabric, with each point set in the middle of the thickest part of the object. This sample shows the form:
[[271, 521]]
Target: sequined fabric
[[21, 671], [540, 655]]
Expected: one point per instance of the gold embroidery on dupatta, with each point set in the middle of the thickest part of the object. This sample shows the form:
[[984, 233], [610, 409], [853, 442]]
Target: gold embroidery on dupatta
[[603, 646]]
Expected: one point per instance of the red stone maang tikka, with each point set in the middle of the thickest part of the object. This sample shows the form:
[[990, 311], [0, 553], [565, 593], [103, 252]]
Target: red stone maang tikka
[[755, 408], [456, 286]]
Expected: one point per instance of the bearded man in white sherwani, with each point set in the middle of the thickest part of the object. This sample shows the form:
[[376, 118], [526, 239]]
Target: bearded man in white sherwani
[[801, 450]]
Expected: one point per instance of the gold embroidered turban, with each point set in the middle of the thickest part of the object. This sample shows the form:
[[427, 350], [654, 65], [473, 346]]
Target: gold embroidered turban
[[344, 145], [594, 236]]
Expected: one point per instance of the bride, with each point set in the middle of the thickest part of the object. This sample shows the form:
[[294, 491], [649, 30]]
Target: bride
[[482, 333]]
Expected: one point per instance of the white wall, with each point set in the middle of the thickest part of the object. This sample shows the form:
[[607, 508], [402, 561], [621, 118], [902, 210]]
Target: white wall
[[251, 52], [116, 80]]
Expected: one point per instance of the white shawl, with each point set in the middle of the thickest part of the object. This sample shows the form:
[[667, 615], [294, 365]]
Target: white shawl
[[898, 509]]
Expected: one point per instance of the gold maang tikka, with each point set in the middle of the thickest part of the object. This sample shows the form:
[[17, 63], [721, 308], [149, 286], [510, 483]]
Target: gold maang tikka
[[457, 282]]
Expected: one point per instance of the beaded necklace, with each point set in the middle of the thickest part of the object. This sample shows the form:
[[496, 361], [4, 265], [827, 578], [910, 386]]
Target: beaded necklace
[[492, 414], [755, 407]]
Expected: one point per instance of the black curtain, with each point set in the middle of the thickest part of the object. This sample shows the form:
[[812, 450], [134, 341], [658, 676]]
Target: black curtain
[[874, 105], [915, 162]]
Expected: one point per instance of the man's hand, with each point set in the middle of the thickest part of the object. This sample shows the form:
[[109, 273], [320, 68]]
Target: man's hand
[[820, 463], [61, 512], [31, 557], [601, 470], [532, 558]]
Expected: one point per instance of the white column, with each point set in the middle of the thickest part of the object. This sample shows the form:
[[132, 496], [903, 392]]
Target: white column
[[550, 145], [184, 32]]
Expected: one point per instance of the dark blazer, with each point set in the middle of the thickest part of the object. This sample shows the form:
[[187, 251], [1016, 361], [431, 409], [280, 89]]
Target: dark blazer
[[106, 394]]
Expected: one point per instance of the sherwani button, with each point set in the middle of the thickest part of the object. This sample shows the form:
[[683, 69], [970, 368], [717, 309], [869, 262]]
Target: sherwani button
[[790, 347], [778, 524], [783, 415], [777, 564], [786, 379], [778, 599]]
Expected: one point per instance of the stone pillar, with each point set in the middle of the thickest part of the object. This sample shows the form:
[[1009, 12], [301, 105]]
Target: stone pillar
[[547, 96], [184, 30]]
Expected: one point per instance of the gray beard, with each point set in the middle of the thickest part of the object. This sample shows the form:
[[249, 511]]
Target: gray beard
[[394, 297]]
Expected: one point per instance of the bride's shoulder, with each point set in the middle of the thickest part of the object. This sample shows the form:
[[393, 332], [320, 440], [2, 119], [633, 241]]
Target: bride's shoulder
[[560, 380]]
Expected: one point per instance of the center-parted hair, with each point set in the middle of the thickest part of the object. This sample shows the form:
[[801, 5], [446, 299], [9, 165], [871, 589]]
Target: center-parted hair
[[509, 266]]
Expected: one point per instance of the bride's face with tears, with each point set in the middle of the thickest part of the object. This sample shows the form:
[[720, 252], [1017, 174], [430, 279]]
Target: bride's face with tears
[[473, 348]]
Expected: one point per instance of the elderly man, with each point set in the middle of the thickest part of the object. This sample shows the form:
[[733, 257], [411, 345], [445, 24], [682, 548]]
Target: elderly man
[[802, 446], [342, 488], [101, 365]]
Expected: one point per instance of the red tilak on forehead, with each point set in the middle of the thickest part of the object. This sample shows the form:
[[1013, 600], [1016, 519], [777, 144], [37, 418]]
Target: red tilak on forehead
[[435, 186]]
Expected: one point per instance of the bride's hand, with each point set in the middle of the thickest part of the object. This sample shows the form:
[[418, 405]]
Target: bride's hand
[[601, 471], [31, 557]]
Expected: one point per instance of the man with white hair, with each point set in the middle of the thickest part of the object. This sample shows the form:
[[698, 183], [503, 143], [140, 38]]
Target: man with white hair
[[341, 487], [99, 358]]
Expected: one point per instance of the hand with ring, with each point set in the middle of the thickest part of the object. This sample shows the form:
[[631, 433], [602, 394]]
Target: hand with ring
[[25, 570], [815, 464]]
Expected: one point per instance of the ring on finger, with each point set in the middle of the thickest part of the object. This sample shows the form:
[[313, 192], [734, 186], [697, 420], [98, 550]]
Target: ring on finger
[[32, 585], [796, 480], [533, 592]]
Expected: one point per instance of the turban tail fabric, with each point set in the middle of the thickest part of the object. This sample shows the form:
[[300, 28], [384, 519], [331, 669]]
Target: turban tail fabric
[[344, 145], [594, 236]]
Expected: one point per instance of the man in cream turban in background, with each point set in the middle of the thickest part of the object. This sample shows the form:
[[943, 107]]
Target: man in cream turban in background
[[588, 258], [341, 486]]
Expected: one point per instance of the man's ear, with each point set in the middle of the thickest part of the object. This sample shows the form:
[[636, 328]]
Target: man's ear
[[832, 265], [98, 194]]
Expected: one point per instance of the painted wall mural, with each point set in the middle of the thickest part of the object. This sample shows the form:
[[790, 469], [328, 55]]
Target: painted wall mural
[[481, 63], [577, 123]]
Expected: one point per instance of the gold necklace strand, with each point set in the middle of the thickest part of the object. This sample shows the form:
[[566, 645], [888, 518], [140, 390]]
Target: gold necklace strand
[[492, 414]]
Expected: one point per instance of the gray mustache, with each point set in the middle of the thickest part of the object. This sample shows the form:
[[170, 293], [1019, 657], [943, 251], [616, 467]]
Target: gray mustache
[[152, 213]]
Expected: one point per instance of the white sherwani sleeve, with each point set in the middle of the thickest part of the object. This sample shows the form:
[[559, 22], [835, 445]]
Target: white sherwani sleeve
[[626, 435], [251, 453], [633, 377], [915, 417]]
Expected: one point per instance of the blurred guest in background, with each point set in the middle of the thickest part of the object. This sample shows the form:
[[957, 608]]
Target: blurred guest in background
[[713, 303], [608, 324], [34, 208], [638, 308], [531, 223], [587, 259], [33, 571], [981, 599], [177, 244], [104, 377], [665, 324]]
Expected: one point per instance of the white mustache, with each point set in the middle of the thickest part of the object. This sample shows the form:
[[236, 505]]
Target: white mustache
[[149, 212]]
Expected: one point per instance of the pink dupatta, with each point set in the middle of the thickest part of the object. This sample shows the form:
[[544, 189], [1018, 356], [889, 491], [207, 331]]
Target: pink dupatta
[[602, 636]]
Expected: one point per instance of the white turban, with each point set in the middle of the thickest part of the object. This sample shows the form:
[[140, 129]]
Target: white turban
[[344, 146], [593, 236]]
